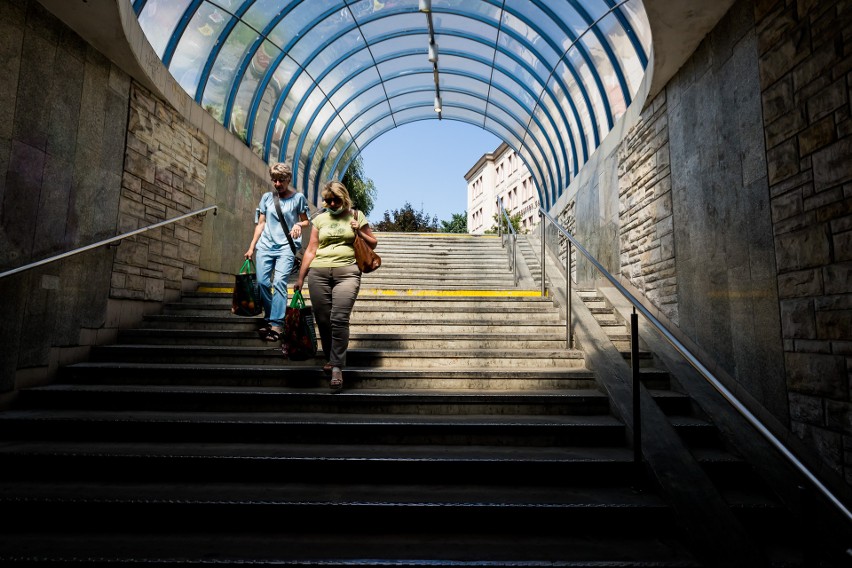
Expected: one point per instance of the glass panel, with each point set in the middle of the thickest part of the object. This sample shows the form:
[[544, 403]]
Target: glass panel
[[616, 37], [357, 105], [580, 104], [635, 13], [271, 97], [332, 54], [158, 20], [406, 64], [378, 27], [533, 59], [368, 116], [224, 69], [574, 59], [459, 25], [333, 24], [481, 47], [567, 13], [464, 66], [527, 37], [295, 24], [340, 77], [262, 12], [364, 137], [356, 86], [412, 98], [193, 48]]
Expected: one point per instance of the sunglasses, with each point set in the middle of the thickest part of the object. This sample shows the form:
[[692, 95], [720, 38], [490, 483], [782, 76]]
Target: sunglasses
[[331, 200], [281, 178]]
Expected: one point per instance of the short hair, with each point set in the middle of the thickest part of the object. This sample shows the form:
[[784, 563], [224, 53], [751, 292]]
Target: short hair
[[337, 189], [280, 170]]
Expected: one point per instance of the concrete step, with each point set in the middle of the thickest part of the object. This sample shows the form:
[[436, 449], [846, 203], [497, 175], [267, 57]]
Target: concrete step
[[284, 375], [396, 358], [290, 399], [312, 428], [496, 340]]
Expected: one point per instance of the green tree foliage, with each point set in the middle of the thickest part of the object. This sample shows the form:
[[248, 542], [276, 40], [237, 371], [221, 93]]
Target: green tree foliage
[[407, 220], [514, 219], [458, 224], [362, 190]]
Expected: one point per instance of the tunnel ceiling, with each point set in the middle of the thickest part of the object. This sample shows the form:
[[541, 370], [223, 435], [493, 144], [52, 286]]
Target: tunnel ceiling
[[315, 81]]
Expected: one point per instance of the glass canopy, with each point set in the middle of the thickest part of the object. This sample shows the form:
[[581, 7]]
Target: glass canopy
[[315, 81]]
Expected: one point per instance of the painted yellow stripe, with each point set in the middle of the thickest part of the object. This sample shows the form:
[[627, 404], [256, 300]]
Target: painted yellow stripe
[[386, 292], [450, 293]]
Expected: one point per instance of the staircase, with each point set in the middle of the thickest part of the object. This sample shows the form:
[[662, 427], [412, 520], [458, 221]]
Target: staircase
[[467, 435]]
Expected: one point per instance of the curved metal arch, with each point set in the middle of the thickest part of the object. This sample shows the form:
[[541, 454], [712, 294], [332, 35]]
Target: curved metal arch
[[179, 30], [495, 119], [251, 116], [236, 16], [517, 152], [592, 25], [378, 134], [557, 49], [631, 33], [346, 29], [558, 174], [505, 111], [455, 90], [252, 50], [530, 111], [522, 40]]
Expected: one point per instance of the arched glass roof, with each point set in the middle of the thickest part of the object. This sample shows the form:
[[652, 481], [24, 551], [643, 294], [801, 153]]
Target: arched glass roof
[[315, 81]]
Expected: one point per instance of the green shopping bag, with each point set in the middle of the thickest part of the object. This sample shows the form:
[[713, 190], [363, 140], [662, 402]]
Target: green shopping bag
[[299, 338], [245, 300]]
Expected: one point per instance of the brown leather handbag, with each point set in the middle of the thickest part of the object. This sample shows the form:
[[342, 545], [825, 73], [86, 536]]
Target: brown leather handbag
[[365, 257]]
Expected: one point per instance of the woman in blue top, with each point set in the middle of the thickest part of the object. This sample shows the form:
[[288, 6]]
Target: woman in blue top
[[275, 260]]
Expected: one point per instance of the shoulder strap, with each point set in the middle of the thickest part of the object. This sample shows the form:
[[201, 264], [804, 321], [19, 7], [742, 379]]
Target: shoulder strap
[[283, 222]]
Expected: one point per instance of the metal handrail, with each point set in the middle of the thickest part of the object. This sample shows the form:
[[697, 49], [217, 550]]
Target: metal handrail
[[105, 242], [513, 255], [693, 360]]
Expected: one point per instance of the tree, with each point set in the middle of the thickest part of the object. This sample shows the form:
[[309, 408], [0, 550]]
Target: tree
[[514, 219], [458, 224], [362, 190], [407, 220]]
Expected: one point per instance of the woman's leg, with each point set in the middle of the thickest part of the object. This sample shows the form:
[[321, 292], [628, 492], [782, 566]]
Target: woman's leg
[[283, 268], [346, 281], [319, 287], [265, 268]]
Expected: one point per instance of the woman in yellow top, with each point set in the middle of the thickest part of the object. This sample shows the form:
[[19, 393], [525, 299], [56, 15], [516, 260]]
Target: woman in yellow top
[[334, 277]]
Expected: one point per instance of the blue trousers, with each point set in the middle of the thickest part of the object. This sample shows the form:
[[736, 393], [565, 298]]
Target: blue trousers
[[273, 270]]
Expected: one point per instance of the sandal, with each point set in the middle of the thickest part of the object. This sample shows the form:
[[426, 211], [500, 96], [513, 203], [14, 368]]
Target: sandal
[[327, 368], [336, 382], [271, 335]]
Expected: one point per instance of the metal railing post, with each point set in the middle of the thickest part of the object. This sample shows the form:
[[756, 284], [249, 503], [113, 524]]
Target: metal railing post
[[570, 335], [637, 407], [543, 263]]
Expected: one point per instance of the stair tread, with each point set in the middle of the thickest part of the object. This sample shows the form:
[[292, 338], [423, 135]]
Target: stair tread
[[307, 418]]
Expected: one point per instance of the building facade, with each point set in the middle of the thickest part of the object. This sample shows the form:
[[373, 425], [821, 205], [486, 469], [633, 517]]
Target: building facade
[[500, 174]]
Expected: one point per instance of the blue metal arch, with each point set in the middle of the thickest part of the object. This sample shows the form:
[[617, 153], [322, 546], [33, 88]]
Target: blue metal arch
[[346, 29], [306, 188], [236, 16], [495, 119], [557, 178], [179, 30], [412, 121], [530, 111]]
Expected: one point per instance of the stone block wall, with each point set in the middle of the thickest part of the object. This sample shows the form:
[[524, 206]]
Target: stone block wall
[[646, 229], [165, 171], [805, 58]]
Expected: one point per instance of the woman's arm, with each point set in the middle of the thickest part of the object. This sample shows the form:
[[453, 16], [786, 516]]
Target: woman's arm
[[367, 234], [258, 230], [310, 254]]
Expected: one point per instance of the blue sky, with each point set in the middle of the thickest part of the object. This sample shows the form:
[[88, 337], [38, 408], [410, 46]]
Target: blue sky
[[424, 163]]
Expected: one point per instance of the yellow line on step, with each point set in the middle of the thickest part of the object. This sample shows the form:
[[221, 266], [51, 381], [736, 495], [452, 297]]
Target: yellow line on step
[[386, 292]]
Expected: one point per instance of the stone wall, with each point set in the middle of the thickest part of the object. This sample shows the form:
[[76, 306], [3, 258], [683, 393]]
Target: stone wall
[[165, 170], [646, 228], [63, 115], [805, 55]]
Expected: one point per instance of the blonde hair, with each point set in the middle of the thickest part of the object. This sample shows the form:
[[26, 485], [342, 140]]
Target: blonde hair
[[337, 189], [280, 170]]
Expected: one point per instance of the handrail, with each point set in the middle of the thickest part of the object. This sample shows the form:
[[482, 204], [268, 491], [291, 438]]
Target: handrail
[[753, 420], [105, 242], [513, 256]]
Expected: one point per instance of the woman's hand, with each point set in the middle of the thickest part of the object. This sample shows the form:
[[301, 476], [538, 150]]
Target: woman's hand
[[298, 284], [249, 253], [296, 231], [354, 224]]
